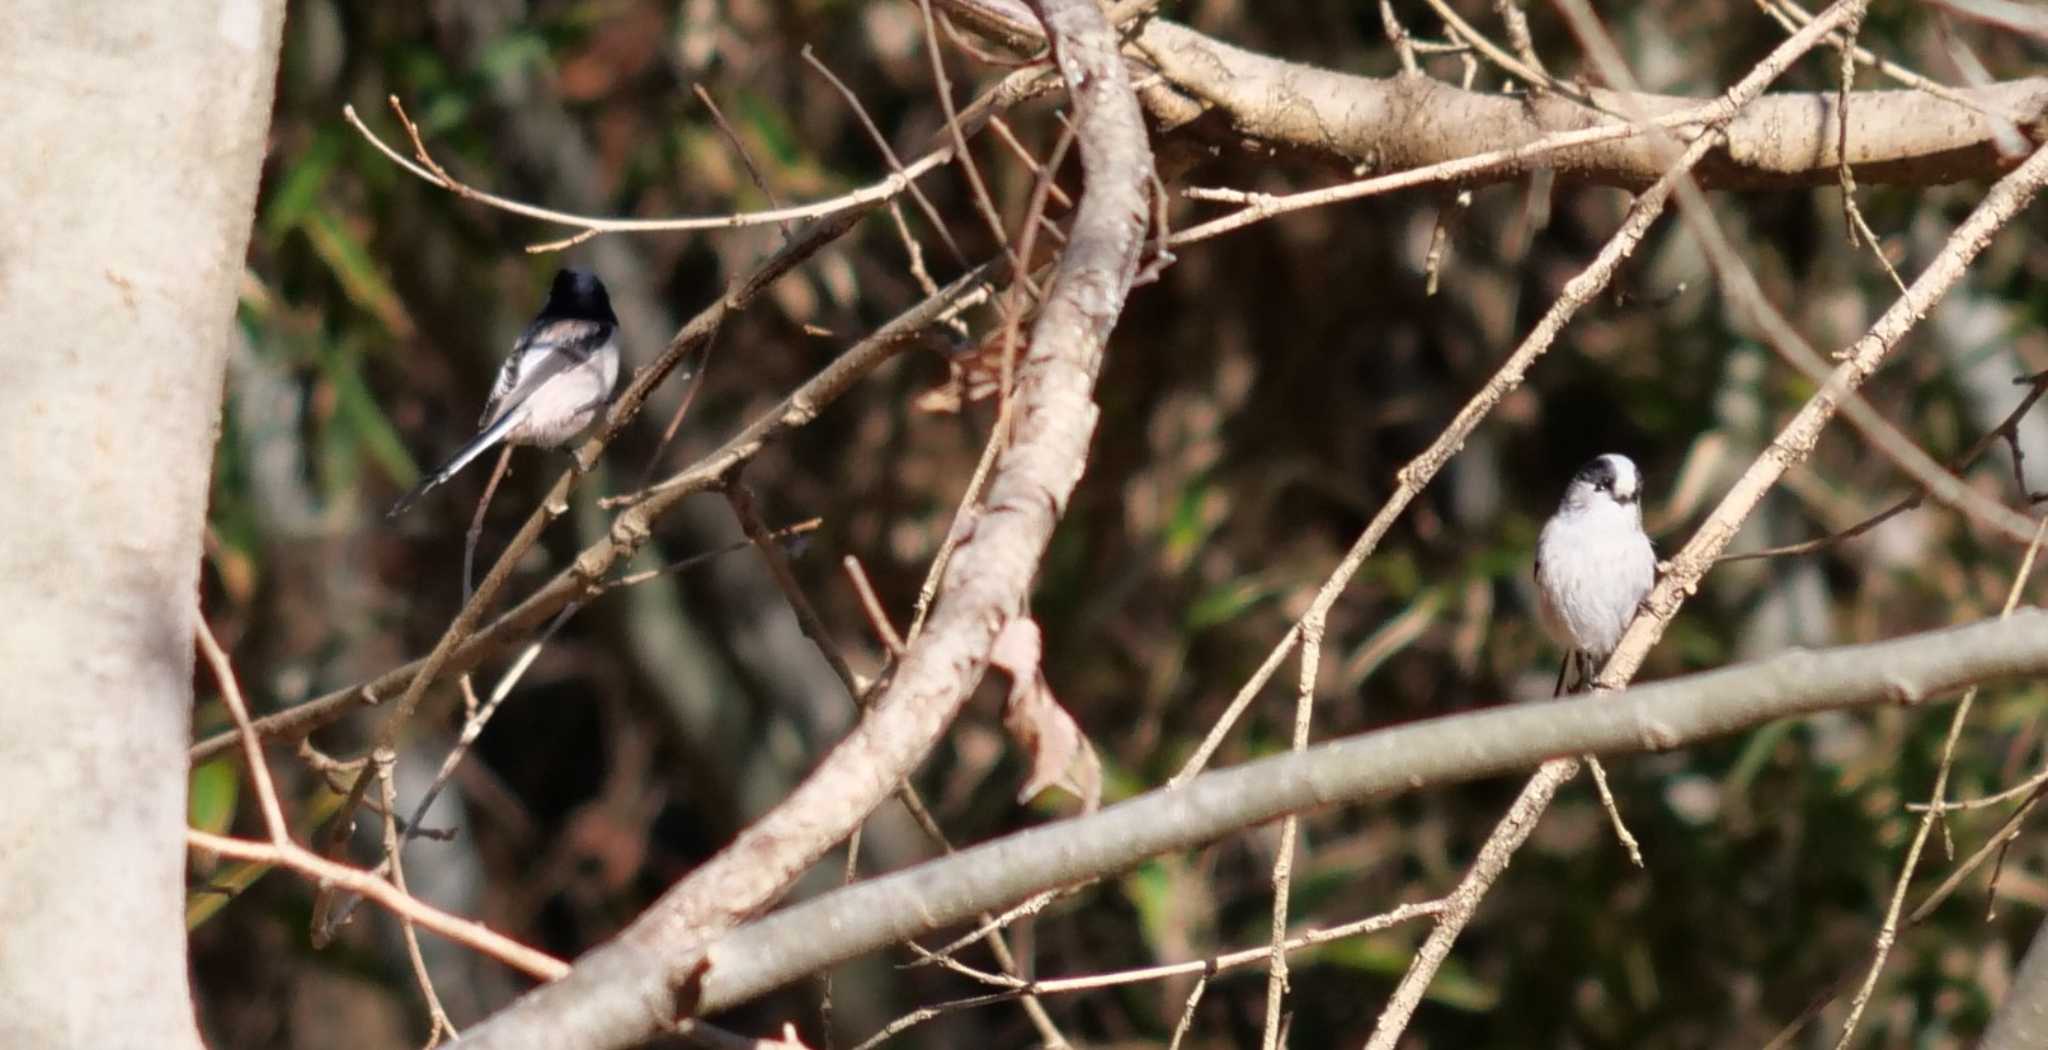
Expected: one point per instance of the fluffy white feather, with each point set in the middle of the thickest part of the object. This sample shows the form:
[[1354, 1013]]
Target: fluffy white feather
[[1594, 565]]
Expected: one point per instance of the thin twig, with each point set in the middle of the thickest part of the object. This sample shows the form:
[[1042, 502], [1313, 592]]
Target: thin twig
[[1530, 73], [423, 166], [746, 156], [1789, 14], [2023, 788], [1887, 934], [1404, 50], [1283, 863], [473, 724], [881, 142], [475, 534], [781, 535], [394, 849], [1859, 227], [1515, 827], [252, 747], [2006, 430], [1187, 1013], [1798, 435], [985, 204], [1208, 968], [462, 931], [2003, 134], [694, 380], [1994, 844], [878, 618], [746, 510], [1031, 164], [1516, 22], [1452, 211], [1500, 847], [1621, 832]]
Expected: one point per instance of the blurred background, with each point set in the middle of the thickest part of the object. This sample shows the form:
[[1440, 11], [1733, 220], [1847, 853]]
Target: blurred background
[[1257, 400]]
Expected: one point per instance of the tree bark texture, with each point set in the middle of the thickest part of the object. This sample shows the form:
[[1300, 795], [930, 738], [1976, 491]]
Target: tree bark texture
[[131, 140]]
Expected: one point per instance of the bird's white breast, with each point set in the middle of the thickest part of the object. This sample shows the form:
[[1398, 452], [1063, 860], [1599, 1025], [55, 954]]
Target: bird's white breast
[[1594, 567]]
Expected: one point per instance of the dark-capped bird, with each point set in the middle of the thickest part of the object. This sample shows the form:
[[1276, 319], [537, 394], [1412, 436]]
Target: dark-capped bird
[[557, 382]]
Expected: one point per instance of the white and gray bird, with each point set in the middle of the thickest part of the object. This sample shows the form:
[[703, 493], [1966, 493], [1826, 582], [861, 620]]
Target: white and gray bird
[[556, 383], [1594, 565]]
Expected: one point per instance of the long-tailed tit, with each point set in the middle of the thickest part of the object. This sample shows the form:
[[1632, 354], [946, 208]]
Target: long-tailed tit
[[1594, 565], [556, 383]]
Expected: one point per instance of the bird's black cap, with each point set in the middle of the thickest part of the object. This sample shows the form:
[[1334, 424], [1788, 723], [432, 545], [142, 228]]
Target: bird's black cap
[[1599, 473], [577, 295], [1613, 474]]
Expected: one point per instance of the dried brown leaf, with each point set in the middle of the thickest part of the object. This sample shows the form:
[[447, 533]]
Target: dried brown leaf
[[1060, 755]]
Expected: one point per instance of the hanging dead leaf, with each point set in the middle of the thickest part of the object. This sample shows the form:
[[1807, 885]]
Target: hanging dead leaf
[[1060, 755]]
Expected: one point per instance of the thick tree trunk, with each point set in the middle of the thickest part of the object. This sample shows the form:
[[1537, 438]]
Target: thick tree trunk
[[133, 138]]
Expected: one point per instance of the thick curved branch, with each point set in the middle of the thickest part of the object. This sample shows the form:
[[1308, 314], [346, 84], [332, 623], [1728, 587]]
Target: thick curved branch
[[650, 976], [1780, 140], [1379, 125], [847, 923]]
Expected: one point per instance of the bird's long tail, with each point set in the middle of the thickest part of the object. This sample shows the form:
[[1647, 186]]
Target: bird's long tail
[[477, 446]]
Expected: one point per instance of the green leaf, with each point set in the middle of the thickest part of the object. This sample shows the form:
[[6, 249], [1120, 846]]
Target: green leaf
[[1756, 752], [358, 272], [771, 125], [1185, 528], [1388, 955], [1151, 889], [513, 53], [1225, 603], [360, 420], [212, 795], [204, 902], [301, 187]]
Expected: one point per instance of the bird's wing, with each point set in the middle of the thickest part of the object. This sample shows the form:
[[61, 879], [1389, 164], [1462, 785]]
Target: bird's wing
[[544, 351]]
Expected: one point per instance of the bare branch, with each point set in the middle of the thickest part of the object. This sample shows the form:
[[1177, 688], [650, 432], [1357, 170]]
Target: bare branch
[[630, 529], [794, 942], [462, 931], [1500, 847], [1889, 931], [1208, 967], [1790, 139], [422, 165], [1798, 436], [652, 974]]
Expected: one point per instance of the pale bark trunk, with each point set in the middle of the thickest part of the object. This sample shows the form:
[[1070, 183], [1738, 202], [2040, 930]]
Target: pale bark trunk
[[131, 138]]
